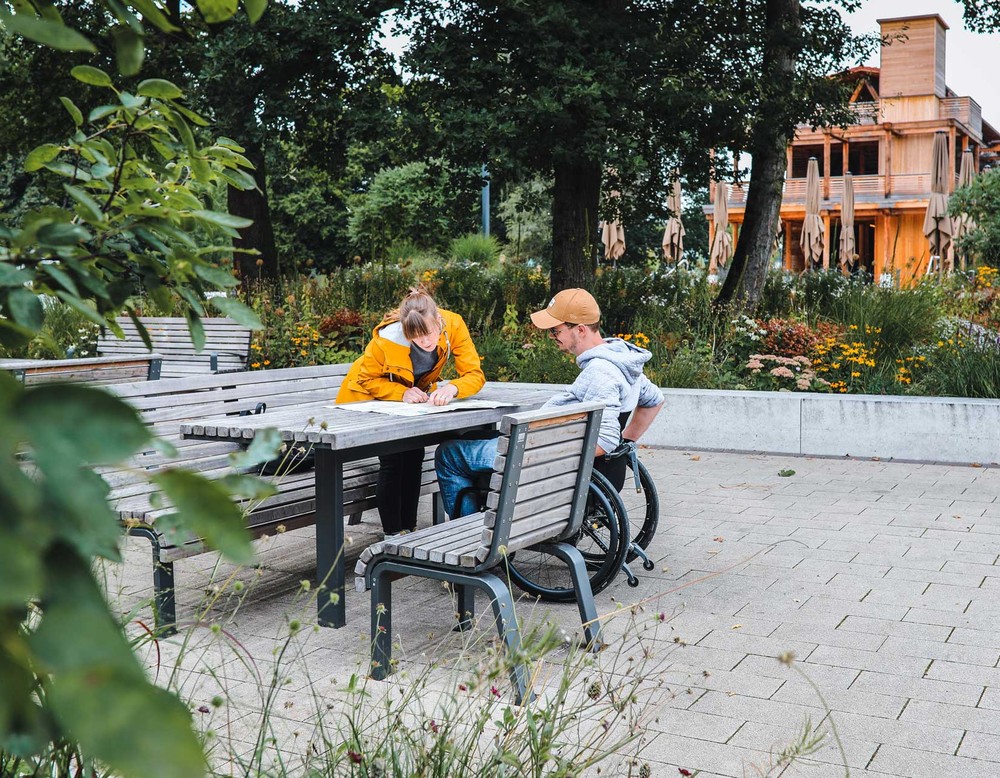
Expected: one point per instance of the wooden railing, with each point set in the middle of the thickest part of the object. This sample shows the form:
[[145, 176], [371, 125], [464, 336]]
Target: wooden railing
[[867, 187]]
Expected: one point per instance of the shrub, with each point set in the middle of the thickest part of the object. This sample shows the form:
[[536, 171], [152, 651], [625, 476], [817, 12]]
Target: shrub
[[775, 373], [958, 366], [475, 249]]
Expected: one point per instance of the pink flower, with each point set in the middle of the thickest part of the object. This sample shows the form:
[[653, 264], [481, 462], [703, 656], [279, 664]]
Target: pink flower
[[782, 372], [755, 364]]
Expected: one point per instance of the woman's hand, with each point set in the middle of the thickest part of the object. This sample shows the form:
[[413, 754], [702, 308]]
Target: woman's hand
[[415, 395], [443, 395]]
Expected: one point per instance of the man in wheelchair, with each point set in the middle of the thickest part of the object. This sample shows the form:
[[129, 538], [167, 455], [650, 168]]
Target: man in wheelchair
[[611, 372]]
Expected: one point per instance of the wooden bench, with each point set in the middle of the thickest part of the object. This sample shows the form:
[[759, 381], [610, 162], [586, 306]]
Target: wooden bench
[[165, 404], [227, 345], [537, 497], [91, 370]]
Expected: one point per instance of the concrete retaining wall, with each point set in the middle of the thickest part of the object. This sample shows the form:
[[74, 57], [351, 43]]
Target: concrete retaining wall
[[933, 429], [930, 429]]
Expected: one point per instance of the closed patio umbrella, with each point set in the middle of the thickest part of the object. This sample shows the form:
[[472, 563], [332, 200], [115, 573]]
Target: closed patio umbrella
[[963, 223], [722, 243], [813, 236], [848, 251], [673, 235], [937, 223], [613, 237]]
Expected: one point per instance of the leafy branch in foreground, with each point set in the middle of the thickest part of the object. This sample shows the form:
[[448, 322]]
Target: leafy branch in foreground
[[137, 216]]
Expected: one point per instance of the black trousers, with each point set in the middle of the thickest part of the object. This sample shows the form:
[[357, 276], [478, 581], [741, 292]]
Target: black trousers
[[398, 490]]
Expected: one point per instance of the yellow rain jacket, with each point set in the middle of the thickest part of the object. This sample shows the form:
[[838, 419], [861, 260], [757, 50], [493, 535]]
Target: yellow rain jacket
[[384, 371]]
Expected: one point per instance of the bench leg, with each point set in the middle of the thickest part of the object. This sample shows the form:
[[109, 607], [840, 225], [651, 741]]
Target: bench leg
[[354, 518], [465, 606], [164, 603], [506, 621], [381, 624], [584, 594], [380, 580]]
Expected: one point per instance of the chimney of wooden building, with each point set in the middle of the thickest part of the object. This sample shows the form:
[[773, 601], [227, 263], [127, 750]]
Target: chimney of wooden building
[[912, 56]]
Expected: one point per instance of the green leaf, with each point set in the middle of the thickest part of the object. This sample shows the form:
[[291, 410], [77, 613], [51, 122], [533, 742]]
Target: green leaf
[[160, 89], [208, 510], [195, 327], [154, 15], [255, 9], [26, 309], [100, 112], [53, 34], [61, 277], [216, 11], [238, 312], [217, 276], [91, 75], [20, 565], [73, 111], [79, 497], [222, 219], [78, 304], [248, 487], [92, 211], [191, 115], [40, 156], [62, 234], [786, 473], [129, 50], [13, 276], [264, 447], [98, 692], [74, 423]]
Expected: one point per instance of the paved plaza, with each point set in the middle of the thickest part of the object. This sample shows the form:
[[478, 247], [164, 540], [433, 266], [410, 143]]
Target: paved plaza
[[880, 578]]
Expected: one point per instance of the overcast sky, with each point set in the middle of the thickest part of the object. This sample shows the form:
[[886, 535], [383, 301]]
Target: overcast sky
[[971, 59]]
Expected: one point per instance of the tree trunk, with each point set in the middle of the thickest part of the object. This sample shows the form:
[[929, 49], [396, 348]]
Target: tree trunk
[[574, 224], [252, 204], [770, 139]]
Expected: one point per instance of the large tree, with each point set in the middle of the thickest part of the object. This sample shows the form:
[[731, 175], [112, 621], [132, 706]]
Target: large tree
[[611, 94]]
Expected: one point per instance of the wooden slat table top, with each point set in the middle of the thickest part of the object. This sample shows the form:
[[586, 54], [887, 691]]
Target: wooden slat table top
[[329, 427]]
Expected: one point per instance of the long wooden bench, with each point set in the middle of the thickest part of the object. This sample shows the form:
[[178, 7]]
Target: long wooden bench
[[227, 345], [91, 370], [165, 404], [537, 496]]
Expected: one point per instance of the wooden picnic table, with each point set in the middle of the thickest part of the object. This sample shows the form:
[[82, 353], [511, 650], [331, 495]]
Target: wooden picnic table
[[340, 436]]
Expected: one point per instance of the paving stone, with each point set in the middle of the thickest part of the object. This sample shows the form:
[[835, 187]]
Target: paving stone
[[939, 651], [776, 739], [919, 688], [901, 629], [915, 763], [975, 637], [707, 758], [906, 734], [852, 700], [875, 661]]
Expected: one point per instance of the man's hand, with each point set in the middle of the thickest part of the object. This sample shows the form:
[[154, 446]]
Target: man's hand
[[414, 395], [443, 395]]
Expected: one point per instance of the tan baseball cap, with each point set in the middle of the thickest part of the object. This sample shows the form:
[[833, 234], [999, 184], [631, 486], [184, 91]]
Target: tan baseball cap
[[576, 306]]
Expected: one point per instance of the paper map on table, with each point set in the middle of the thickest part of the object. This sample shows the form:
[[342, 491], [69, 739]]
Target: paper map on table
[[391, 408]]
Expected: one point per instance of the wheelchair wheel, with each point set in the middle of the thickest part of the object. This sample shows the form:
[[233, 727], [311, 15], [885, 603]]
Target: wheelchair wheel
[[603, 541], [642, 505]]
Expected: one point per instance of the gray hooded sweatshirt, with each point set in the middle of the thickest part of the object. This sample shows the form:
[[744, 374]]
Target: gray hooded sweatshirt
[[611, 374]]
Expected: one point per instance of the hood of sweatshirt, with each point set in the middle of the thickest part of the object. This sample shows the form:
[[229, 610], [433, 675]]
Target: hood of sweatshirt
[[625, 356]]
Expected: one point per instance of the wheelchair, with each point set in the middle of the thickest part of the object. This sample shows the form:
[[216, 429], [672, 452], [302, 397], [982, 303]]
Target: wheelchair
[[617, 527]]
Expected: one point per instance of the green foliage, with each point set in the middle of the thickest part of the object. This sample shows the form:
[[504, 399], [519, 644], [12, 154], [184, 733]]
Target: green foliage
[[981, 201], [137, 192], [960, 365], [526, 216], [475, 249], [418, 202], [896, 320]]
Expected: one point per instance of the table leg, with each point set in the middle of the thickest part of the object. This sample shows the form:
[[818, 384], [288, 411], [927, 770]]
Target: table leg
[[330, 603]]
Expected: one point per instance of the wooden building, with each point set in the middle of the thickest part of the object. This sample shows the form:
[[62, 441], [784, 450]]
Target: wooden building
[[899, 106]]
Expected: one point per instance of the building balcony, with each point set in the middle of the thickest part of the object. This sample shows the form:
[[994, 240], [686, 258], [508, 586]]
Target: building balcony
[[866, 189], [963, 109]]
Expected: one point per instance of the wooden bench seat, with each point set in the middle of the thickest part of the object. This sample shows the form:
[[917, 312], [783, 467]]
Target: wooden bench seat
[[537, 497], [227, 345], [165, 404], [91, 370]]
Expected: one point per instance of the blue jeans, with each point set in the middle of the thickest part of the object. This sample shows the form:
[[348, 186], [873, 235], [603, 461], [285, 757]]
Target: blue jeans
[[458, 462]]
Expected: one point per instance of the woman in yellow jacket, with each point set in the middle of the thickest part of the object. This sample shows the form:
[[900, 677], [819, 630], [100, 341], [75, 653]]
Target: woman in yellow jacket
[[403, 362]]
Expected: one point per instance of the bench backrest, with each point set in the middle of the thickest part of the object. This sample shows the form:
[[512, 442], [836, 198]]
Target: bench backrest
[[90, 370], [540, 479], [165, 404], [227, 344]]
